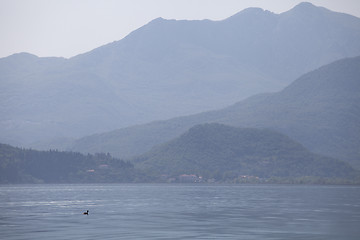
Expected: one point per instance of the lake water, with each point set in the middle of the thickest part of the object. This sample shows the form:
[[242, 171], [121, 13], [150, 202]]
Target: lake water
[[138, 211]]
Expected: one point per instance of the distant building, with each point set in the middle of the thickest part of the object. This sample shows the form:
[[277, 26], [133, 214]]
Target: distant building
[[188, 178]]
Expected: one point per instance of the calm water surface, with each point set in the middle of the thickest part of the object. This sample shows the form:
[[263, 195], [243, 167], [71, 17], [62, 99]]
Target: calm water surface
[[179, 212]]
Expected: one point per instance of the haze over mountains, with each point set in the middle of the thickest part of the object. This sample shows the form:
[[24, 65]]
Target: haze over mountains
[[321, 110], [165, 69], [205, 153]]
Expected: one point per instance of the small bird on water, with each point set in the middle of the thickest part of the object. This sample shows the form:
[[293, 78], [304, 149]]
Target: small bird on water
[[86, 213]]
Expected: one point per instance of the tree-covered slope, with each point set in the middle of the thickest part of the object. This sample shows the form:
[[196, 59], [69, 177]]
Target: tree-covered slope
[[30, 166], [214, 149]]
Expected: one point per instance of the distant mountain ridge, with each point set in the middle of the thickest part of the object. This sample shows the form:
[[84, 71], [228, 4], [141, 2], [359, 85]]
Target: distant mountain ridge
[[320, 110], [165, 69]]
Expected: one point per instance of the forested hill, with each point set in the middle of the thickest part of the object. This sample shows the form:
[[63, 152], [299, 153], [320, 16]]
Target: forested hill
[[224, 152], [211, 152], [30, 166]]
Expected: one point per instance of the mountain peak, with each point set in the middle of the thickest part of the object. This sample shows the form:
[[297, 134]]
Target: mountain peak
[[306, 7], [158, 20], [23, 55], [249, 12]]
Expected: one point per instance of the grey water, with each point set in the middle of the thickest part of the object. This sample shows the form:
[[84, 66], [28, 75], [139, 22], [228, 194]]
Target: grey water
[[156, 211]]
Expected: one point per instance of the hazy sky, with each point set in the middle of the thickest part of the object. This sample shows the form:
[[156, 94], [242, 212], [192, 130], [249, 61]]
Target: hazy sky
[[70, 27]]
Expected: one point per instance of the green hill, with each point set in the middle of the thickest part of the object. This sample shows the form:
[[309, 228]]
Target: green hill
[[224, 152]]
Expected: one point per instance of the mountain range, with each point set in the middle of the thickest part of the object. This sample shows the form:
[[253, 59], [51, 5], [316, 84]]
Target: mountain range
[[321, 110], [165, 69]]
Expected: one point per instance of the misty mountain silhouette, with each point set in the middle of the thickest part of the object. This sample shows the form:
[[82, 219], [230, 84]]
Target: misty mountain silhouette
[[320, 110], [165, 69]]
